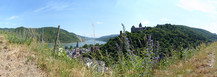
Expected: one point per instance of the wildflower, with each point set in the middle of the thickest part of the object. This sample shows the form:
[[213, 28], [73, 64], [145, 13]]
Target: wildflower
[[150, 37], [156, 57], [151, 62], [158, 46], [117, 46], [133, 55], [32, 35], [128, 50], [27, 33]]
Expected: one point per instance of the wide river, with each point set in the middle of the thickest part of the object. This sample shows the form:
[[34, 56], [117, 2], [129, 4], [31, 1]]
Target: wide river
[[80, 44]]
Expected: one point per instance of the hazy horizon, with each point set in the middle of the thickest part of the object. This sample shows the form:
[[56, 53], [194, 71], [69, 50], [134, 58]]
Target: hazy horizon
[[107, 15]]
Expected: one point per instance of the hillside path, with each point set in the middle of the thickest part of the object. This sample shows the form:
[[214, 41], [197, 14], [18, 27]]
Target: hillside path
[[17, 61]]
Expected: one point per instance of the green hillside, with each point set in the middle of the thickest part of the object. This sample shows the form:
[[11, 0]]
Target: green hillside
[[170, 37], [49, 34]]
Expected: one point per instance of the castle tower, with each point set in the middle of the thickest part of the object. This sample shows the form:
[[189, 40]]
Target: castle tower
[[133, 28], [140, 25]]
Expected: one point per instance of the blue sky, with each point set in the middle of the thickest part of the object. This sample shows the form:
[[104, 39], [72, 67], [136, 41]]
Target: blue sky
[[77, 16]]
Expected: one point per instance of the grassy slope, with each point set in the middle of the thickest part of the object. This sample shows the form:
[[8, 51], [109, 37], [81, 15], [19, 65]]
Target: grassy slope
[[51, 65], [18, 60], [198, 65]]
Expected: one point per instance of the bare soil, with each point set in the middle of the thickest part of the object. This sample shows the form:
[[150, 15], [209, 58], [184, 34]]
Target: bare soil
[[18, 61]]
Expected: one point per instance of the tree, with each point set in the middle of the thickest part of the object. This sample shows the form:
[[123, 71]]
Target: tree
[[70, 47], [97, 44], [85, 46]]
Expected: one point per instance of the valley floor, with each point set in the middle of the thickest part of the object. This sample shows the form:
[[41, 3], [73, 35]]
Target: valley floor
[[18, 61], [202, 64]]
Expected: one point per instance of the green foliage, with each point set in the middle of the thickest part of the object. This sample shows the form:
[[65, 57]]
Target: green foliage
[[64, 36], [61, 52], [85, 46], [49, 34], [170, 37], [19, 40], [19, 37]]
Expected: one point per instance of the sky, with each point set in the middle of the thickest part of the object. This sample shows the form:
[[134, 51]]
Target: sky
[[78, 16]]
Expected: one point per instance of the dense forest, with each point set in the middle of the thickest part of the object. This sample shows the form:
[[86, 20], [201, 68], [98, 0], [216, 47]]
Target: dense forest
[[49, 34], [170, 37]]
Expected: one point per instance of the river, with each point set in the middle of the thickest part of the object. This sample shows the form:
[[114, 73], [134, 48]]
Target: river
[[80, 44]]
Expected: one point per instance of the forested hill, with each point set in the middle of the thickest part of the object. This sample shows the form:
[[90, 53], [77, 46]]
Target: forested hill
[[170, 37], [195, 31], [49, 34]]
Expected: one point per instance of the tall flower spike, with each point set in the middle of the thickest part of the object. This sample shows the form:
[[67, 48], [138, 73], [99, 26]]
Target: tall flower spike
[[117, 46]]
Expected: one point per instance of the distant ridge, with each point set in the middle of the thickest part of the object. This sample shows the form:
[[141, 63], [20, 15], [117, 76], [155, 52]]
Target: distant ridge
[[49, 34], [107, 37]]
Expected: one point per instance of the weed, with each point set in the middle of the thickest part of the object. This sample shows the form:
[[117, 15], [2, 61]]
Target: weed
[[29, 58]]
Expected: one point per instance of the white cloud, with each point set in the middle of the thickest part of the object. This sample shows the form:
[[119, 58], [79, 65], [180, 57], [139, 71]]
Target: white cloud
[[54, 6], [40, 9], [12, 17], [145, 22], [164, 19], [98, 22], [207, 6]]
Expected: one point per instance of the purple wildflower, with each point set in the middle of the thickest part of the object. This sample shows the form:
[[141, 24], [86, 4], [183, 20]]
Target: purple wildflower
[[117, 46], [151, 62], [32, 35]]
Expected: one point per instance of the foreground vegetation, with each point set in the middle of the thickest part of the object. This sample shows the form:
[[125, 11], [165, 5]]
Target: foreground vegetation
[[130, 59], [202, 64]]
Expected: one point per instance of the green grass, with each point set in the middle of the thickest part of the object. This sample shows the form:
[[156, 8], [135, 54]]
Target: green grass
[[189, 67], [127, 65]]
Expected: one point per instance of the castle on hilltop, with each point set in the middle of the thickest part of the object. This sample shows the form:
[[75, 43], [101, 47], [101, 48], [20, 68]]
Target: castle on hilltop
[[140, 28]]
